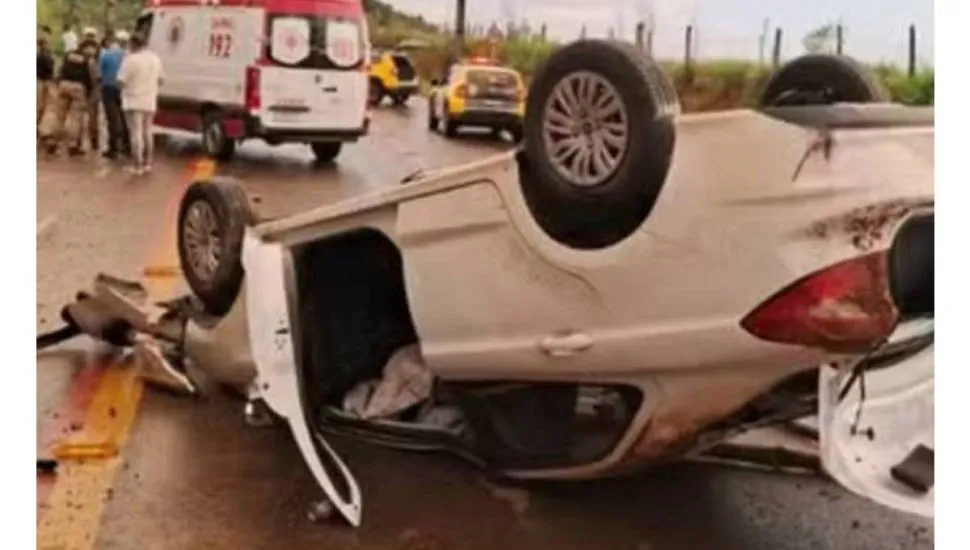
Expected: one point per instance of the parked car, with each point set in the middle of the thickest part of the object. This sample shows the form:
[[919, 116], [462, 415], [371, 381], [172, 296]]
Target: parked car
[[279, 70], [478, 92], [630, 286], [392, 75]]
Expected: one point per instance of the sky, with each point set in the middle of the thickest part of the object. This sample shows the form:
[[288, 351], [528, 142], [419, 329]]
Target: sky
[[875, 30]]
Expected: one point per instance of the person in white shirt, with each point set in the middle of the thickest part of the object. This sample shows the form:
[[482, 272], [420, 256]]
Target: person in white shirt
[[68, 39], [140, 75]]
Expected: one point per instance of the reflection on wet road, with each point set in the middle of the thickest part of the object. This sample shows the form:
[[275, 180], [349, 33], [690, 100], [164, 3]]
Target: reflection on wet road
[[195, 477]]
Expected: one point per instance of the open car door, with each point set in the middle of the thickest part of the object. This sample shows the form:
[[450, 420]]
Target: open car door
[[272, 342], [877, 440]]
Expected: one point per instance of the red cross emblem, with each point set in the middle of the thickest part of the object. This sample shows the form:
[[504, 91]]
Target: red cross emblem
[[291, 41]]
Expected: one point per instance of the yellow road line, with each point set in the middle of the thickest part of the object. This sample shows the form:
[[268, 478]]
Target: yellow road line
[[84, 477], [90, 458]]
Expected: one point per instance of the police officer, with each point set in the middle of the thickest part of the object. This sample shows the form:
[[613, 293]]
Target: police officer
[[75, 84], [45, 75], [93, 120]]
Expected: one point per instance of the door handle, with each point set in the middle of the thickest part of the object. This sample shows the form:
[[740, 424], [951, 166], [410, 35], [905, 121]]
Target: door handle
[[566, 344]]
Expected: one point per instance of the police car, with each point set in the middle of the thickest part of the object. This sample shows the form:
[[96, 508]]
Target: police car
[[478, 92]]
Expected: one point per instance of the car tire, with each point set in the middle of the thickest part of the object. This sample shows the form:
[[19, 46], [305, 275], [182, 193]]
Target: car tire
[[401, 99], [215, 143], [433, 121], [574, 206], [375, 92], [217, 208], [326, 152], [822, 79]]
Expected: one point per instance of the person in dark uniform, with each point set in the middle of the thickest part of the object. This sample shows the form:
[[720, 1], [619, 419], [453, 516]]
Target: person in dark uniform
[[45, 76], [75, 84]]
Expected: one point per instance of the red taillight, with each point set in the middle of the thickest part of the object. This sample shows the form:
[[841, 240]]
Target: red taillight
[[461, 91], [844, 308], [253, 99]]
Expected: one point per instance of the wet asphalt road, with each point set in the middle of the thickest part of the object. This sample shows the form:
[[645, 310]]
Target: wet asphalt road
[[196, 477]]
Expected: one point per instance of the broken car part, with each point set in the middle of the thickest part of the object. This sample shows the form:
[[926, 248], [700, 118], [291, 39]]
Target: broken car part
[[561, 295]]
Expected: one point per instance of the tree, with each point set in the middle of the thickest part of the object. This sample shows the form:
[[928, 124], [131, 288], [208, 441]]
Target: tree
[[822, 39]]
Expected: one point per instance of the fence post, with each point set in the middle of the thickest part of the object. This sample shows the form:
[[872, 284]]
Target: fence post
[[641, 27], [459, 29], [839, 39], [650, 42], [776, 50], [688, 43], [912, 51]]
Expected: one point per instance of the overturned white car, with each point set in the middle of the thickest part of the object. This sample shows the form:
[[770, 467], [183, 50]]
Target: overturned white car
[[632, 285]]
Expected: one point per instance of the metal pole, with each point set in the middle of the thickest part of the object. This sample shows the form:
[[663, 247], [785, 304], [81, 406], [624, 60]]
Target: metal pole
[[912, 51], [776, 51], [641, 27], [459, 29], [688, 43], [763, 41], [838, 39]]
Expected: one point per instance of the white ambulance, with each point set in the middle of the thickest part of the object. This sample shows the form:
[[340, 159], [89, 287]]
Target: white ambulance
[[279, 70]]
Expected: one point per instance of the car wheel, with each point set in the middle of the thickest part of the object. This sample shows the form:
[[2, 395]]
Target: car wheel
[[822, 79], [591, 176], [215, 143], [375, 92], [401, 99], [432, 120], [212, 219], [326, 152]]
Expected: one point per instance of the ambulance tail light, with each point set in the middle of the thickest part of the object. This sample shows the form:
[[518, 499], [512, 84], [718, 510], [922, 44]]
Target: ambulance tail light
[[253, 98], [845, 308]]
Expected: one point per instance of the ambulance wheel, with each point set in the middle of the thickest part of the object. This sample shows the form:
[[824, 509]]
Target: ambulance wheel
[[375, 92], [591, 176], [821, 79], [215, 142], [325, 152], [212, 220]]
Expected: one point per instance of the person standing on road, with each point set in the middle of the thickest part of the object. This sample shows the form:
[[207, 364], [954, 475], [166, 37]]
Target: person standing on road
[[92, 121], [139, 78], [75, 83], [111, 59], [45, 76]]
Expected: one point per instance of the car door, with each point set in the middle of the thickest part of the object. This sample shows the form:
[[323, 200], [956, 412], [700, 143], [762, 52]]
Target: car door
[[271, 337]]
